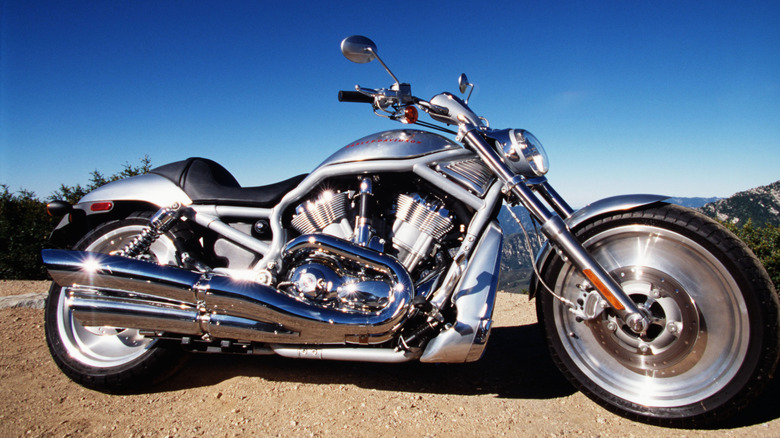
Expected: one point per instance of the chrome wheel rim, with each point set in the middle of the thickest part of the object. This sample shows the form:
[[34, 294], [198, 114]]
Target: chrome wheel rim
[[104, 347], [699, 331]]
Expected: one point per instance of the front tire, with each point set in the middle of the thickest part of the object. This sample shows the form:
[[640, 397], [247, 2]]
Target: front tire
[[112, 359], [713, 342]]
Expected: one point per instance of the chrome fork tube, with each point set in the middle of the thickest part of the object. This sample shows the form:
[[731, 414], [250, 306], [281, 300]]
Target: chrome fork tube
[[555, 229], [546, 191]]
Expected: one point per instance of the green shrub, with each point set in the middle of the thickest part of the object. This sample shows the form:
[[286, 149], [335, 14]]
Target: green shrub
[[72, 194], [24, 229], [25, 226], [765, 243]]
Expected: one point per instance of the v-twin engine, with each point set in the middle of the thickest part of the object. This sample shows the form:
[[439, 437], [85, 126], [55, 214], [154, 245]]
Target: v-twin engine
[[333, 281], [418, 225]]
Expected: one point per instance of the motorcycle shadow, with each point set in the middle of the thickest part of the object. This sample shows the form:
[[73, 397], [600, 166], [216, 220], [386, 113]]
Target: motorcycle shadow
[[516, 364], [764, 409]]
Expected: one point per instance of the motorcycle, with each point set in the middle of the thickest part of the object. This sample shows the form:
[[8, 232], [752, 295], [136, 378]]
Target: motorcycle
[[389, 252]]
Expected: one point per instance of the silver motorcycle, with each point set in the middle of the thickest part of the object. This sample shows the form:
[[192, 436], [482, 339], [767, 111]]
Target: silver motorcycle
[[389, 252]]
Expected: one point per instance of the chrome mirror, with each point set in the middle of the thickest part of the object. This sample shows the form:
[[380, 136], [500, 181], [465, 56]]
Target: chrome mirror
[[463, 83], [359, 49]]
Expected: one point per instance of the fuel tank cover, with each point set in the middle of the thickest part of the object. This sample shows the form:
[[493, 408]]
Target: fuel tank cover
[[392, 145]]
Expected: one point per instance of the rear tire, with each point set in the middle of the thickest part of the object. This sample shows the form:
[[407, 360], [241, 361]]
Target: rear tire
[[713, 342], [113, 359]]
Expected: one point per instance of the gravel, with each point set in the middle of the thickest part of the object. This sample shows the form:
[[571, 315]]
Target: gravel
[[513, 390]]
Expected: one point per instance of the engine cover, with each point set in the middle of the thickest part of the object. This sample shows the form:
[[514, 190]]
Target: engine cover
[[319, 280], [350, 278]]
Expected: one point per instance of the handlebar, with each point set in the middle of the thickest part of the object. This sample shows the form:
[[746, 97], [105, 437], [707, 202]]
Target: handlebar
[[443, 108], [354, 96]]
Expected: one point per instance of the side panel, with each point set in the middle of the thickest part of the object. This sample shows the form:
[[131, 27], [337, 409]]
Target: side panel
[[475, 298]]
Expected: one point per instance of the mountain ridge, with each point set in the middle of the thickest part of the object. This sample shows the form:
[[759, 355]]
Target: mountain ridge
[[760, 204]]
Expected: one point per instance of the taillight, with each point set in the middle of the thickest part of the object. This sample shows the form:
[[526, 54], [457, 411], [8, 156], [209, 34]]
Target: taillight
[[101, 206]]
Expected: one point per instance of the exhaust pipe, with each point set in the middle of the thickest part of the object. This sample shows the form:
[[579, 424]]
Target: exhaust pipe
[[104, 307], [106, 290]]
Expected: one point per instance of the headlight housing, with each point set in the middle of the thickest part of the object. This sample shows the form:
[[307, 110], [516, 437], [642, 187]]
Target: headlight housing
[[521, 151]]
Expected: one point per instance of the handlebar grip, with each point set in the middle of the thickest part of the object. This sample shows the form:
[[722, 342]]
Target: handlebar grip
[[354, 96]]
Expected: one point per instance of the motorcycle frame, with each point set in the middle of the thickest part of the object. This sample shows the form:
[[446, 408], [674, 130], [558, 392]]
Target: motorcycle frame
[[160, 192]]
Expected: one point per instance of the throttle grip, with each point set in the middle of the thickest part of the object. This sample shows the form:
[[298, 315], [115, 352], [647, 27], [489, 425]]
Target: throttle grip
[[354, 96]]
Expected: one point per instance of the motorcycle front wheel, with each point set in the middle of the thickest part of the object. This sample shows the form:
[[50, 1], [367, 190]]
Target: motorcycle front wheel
[[713, 341], [112, 359]]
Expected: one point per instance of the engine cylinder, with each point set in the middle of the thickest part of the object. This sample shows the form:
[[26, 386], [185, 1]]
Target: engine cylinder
[[326, 214], [418, 225]]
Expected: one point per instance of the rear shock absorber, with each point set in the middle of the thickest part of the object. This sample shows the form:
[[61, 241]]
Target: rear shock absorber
[[160, 223]]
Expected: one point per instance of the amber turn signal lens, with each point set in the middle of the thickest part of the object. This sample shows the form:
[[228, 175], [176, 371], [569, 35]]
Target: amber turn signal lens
[[410, 115], [603, 289]]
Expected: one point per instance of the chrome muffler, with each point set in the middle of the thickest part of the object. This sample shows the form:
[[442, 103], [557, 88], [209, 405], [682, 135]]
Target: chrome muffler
[[106, 290]]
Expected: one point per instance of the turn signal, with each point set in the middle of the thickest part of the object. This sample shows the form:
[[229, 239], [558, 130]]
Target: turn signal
[[58, 208], [603, 289], [410, 115]]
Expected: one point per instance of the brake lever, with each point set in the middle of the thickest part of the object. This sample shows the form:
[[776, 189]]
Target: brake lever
[[367, 91]]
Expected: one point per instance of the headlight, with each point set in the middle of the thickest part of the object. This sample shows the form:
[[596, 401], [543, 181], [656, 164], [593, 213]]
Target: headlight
[[521, 151]]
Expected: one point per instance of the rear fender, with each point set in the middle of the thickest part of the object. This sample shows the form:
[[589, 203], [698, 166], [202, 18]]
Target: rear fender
[[139, 193], [149, 188], [599, 208]]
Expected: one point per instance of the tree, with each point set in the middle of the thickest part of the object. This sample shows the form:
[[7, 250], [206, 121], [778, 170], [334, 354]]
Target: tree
[[72, 194], [24, 229], [25, 226]]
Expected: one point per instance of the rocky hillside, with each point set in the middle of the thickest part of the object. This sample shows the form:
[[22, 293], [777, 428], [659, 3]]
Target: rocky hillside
[[761, 205]]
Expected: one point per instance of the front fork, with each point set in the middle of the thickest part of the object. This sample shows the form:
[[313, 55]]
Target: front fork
[[555, 229]]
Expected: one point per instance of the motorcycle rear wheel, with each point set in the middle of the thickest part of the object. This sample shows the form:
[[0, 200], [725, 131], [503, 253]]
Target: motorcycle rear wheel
[[713, 342], [112, 359]]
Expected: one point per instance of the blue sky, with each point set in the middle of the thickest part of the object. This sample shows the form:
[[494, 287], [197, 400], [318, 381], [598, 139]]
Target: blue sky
[[677, 98]]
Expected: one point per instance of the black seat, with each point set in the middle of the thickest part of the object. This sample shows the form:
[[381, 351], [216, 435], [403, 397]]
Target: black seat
[[207, 182]]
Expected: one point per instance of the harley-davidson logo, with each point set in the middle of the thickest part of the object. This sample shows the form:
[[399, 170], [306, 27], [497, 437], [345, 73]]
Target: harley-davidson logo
[[385, 140]]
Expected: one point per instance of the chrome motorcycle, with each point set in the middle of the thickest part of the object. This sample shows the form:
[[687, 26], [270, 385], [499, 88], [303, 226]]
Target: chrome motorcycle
[[389, 252]]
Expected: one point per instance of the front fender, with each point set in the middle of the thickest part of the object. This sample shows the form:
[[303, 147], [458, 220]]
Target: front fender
[[599, 208]]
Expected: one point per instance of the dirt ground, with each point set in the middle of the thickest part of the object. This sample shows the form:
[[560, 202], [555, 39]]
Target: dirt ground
[[514, 390]]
